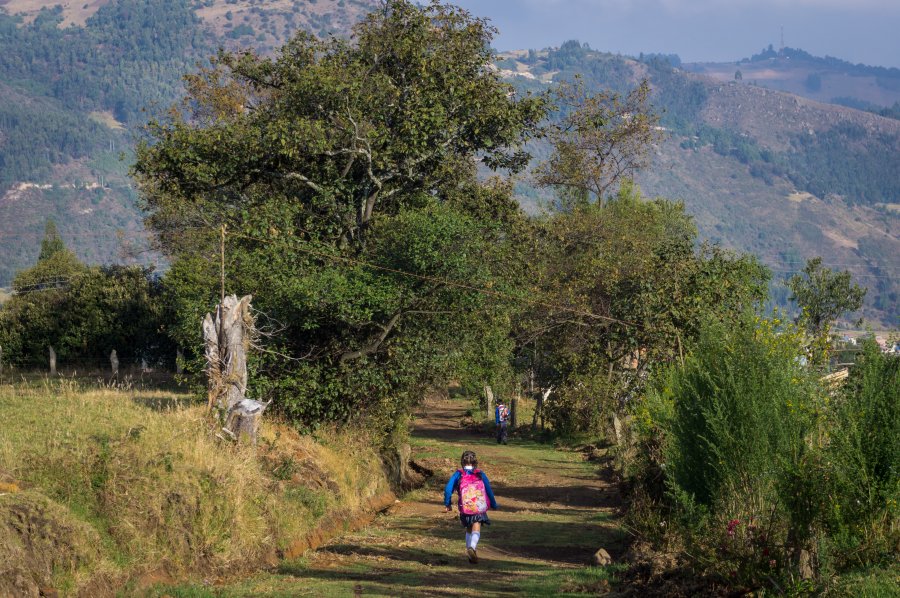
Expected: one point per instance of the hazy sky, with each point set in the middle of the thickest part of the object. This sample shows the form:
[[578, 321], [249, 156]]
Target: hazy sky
[[865, 31]]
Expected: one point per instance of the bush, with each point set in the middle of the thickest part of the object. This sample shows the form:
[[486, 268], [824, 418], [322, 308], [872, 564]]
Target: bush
[[764, 469], [583, 405], [735, 423], [863, 461]]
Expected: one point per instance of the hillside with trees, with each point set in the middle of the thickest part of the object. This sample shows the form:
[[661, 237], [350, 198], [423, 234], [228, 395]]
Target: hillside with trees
[[762, 171], [824, 79], [78, 82]]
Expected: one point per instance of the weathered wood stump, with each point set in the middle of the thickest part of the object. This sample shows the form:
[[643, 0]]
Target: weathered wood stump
[[242, 421], [227, 338], [52, 361], [114, 363]]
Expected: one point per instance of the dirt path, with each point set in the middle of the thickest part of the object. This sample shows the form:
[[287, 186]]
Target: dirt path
[[555, 511]]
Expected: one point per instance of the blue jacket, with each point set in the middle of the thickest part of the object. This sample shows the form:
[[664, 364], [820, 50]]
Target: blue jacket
[[453, 486]]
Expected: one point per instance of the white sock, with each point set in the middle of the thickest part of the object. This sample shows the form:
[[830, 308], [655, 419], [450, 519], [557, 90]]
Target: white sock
[[468, 539], [475, 537]]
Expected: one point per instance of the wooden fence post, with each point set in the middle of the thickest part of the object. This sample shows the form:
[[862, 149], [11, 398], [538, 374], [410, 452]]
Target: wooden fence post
[[179, 361], [114, 363], [52, 361], [514, 408]]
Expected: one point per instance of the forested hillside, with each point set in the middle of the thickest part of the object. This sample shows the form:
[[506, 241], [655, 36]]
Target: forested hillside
[[762, 171], [78, 82]]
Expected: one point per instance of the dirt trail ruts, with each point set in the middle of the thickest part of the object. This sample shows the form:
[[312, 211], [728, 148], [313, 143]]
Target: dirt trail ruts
[[556, 510]]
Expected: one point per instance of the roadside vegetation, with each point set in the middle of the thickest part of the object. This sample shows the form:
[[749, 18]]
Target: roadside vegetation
[[102, 488], [342, 193]]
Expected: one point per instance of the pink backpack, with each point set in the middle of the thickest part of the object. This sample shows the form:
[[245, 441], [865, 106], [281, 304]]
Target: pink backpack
[[472, 496]]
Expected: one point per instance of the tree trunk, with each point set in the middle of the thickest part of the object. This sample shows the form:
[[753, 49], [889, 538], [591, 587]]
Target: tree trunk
[[52, 361], [242, 421], [513, 409], [114, 363], [227, 339], [618, 429], [539, 408], [489, 399]]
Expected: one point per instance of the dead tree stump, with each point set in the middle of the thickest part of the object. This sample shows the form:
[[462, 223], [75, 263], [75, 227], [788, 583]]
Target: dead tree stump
[[114, 363], [228, 337], [52, 361]]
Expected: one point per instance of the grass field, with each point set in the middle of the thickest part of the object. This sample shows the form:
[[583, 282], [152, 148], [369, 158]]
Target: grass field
[[106, 487]]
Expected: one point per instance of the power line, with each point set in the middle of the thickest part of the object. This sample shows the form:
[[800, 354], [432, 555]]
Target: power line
[[862, 275], [768, 260], [444, 281]]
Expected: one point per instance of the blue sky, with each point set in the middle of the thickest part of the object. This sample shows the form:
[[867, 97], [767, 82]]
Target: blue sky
[[866, 31]]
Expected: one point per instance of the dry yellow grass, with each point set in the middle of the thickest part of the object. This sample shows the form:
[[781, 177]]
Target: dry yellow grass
[[158, 487], [800, 196], [106, 118]]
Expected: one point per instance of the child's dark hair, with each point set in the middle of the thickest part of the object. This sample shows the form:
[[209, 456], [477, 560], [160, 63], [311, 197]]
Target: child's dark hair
[[469, 458]]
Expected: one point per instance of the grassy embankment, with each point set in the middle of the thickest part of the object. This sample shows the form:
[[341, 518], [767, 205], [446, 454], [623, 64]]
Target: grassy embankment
[[103, 490]]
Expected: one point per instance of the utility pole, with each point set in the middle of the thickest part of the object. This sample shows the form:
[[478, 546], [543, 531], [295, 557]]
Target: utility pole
[[222, 262]]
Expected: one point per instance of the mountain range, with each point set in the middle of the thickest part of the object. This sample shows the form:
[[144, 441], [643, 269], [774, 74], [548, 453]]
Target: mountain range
[[791, 157]]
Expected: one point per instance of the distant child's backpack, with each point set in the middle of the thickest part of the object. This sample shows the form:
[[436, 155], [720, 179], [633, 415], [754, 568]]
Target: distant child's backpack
[[472, 496], [504, 413]]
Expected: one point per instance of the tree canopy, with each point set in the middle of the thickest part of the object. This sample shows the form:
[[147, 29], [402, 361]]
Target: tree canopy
[[82, 312], [345, 174], [823, 296]]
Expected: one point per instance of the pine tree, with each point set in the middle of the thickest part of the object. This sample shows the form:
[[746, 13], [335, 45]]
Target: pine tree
[[52, 242]]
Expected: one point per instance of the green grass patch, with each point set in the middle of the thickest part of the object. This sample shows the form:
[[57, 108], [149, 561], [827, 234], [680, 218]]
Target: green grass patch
[[871, 583], [589, 581]]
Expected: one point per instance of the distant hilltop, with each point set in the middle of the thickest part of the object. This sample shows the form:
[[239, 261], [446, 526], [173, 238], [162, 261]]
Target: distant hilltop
[[825, 79]]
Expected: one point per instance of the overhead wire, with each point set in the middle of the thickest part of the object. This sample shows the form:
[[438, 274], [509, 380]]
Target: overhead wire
[[439, 280], [444, 281]]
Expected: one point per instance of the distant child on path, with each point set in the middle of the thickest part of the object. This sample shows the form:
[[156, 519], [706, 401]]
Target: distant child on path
[[474, 491], [501, 418]]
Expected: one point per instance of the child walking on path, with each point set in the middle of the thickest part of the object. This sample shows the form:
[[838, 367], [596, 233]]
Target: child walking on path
[[475, 494]]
